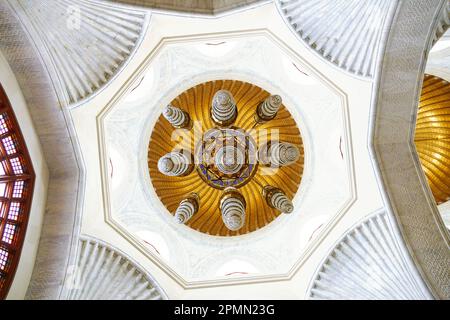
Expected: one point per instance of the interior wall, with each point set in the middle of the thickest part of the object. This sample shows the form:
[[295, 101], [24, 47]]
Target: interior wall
[[28, 256]]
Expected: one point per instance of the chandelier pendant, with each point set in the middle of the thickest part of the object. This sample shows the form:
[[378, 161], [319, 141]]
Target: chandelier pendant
[[227, 158]]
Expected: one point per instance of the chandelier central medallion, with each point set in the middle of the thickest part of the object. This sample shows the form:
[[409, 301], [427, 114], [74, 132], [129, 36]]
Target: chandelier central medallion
[[226, 158]]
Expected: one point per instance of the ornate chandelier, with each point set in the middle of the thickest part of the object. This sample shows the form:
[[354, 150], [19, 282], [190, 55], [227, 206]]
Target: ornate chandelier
[[226, 157]]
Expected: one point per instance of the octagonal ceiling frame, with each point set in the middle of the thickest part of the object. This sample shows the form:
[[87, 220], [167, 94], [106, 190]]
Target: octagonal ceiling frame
[[139, 73]]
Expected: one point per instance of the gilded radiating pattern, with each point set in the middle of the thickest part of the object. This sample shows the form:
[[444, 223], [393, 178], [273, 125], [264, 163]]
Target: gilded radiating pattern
[[172, 190], [433, 135]]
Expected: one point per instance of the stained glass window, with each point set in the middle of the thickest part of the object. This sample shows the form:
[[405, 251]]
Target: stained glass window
[[16, 189]]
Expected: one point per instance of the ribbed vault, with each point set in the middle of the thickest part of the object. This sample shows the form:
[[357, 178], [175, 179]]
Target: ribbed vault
[[346, 33], [367, 264], [86, 42], [105, 273]]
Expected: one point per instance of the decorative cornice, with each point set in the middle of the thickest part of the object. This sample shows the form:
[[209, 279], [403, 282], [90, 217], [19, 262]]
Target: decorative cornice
[[347, 34], [348, 158], [368, 263], [443, 22], [84, 43], [209, 7], [105, 273]]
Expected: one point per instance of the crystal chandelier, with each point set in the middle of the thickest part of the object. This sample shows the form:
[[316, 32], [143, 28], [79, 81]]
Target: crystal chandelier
[[227, 157]]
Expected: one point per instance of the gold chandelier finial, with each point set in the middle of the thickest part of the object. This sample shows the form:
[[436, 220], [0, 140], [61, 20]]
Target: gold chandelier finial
[[277, 199], [178, 118], [277, 154], [176, 164], [223, 111], [268, 109], [232, 207], [187, 208]]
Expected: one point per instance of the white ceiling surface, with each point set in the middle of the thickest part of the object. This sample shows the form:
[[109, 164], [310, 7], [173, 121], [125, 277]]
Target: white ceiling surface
[[192, 255], [334, 192]]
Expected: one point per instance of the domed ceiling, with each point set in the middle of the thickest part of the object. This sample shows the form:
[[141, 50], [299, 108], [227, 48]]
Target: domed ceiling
[[210, 183], [168, 106], [129, 188], [433, 135]]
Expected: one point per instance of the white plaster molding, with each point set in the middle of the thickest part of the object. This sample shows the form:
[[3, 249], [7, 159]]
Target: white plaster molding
[[444, 209], [368, 263], [345, 33], [105, 273], [443, 22], [157, 209], [84, 43]]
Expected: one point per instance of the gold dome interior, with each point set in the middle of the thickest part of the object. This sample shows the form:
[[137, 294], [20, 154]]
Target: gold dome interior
[[432, 137], [172, 190]]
